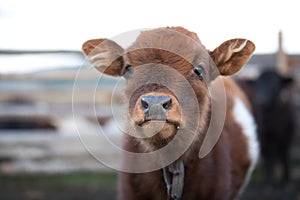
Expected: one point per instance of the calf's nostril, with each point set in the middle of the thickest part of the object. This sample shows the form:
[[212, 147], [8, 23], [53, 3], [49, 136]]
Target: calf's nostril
[[167, 103], [144, 103]]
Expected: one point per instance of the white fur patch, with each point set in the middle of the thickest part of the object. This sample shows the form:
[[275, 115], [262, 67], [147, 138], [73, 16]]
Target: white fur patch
[[233, 47], [100, 59], [245, 119], [98, 56]]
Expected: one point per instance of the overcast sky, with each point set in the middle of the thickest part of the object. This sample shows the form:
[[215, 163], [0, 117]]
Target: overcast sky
[[58, 24]]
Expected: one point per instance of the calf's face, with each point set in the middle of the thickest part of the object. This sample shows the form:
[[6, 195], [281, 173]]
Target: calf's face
[[164, 69]]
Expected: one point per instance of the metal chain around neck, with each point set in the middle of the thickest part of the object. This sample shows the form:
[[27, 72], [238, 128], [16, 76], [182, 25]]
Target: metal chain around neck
[[174, 179]]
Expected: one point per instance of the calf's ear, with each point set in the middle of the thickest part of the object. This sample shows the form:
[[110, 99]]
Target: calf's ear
[[105, 55], [232, 55]]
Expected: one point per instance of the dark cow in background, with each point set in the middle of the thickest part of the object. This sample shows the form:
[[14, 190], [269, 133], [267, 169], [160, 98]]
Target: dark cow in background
[[272, 102]]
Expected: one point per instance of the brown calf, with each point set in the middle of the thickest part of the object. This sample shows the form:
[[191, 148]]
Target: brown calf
[[168, 74]]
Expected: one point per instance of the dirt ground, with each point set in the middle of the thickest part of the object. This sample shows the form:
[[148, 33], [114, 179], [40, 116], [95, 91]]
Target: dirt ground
[[75, 186], [57, 193], [92, 186]]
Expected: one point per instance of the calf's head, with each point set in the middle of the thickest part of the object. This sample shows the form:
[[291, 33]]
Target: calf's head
[[164, 69]]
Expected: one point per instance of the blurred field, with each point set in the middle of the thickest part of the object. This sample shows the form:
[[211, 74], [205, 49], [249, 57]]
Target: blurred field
[[54, 164]]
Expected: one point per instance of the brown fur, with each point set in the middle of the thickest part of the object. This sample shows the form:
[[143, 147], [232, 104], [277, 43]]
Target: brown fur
[[222, 172], [218, 176], [158, 47]]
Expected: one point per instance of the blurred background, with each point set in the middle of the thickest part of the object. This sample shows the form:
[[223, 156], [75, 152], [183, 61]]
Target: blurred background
[[43, 75]]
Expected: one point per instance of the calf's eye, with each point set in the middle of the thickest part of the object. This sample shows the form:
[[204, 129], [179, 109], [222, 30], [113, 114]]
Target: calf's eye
[[128, 68], [199, 70]]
